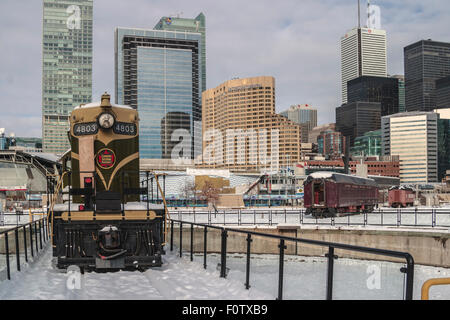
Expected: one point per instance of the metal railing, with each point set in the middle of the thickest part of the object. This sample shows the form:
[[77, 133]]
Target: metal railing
[[432, 282], [414, 217], [39, 230], [283, 240]]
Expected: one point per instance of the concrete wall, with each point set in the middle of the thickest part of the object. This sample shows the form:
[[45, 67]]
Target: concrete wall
[[426, 247]]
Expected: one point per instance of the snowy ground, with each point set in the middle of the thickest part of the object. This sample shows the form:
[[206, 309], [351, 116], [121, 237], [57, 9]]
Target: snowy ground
[[181, 279], [177, 279]]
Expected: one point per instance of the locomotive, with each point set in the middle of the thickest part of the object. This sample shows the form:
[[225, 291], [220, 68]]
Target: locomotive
[[330, 194], [103, 224], [401, 197]]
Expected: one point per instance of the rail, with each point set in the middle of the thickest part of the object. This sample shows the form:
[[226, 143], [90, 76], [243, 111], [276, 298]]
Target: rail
[[37, 229], [415, 217], [432, 282], [408, 270]]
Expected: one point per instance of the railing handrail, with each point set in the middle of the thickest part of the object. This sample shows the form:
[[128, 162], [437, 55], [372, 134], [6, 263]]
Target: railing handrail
[[409, 270], [21, 226], [432, 282]]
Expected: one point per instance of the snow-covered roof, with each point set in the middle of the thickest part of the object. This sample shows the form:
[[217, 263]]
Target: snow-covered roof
[[98, 104]]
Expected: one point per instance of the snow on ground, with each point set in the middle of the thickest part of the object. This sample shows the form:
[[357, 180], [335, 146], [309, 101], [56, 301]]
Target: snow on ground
[[181, 279], [176, 279]]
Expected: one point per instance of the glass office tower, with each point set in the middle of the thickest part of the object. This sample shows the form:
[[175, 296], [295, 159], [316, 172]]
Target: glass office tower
[[425, 62], [66, 67], [158, 73], [196, 25], [375, 89]]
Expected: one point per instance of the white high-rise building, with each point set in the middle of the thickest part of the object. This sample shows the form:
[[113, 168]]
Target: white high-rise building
[[363, 53], [413, 136]]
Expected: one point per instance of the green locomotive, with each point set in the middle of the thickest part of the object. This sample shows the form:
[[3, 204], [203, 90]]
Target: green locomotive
[[103, 224]]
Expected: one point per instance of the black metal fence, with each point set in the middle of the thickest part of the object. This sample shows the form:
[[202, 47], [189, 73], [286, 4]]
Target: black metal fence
[[283, 240], [36, 232], [410, 217]]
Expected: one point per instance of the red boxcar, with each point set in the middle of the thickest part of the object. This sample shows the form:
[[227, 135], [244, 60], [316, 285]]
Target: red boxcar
[[401, 197], [330, 194]]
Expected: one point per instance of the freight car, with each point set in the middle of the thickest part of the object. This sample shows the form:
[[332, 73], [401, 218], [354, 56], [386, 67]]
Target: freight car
[[103, 224], [401, 197], [328, 194]]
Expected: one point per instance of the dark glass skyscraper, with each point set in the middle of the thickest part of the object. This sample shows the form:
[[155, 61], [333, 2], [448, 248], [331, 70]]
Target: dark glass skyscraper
[[375, 89], [443, 93], [66, 67], [425, 62], [158, 73], [356, 118]]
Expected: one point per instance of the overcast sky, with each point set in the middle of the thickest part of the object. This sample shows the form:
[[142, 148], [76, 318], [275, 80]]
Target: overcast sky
[[296, 41]]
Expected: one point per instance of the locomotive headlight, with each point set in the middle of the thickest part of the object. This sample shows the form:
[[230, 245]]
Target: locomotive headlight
[[106, 120]]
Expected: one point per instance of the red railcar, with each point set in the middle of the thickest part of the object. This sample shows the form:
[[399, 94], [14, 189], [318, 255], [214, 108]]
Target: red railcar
[[401, 197], [329, 194]]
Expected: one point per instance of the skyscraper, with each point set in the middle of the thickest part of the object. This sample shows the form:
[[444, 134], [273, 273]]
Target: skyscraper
[[363, 53], [66, 67], [356, 118], [413, 136], [197, 25], [375, 89], [425, 62], [401, 93], [244, 109], [443, 93], [158, 72], [303, 114]]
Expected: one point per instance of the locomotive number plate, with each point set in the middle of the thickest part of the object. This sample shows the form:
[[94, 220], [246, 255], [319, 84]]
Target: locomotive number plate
[[81, 129], [124, 128]]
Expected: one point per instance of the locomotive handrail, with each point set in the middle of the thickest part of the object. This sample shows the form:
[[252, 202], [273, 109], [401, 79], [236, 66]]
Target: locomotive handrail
[[52, 204], [408, 270], [163, 196]]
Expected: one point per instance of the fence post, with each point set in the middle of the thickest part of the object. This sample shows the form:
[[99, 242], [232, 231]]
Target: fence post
[[433, 217], [223, 254], [409, 277], [31, 240], [7, 256], [247, 269], [171, 235], [40, 234], [192, 242], [205, 247], [280, 270], [35, 237], [25, 242], [16, 236], [330, 271], [181, 239], [415, 216]]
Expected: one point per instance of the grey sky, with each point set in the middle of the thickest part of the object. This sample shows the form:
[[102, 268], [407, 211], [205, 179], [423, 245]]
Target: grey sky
[[296, 41]]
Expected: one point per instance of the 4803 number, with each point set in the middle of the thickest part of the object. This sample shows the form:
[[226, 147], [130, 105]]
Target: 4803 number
[[125, 128], [80, 129]]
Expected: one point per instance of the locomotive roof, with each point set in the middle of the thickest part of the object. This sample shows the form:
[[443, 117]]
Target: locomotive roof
[[98, 104], [341, 178]]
